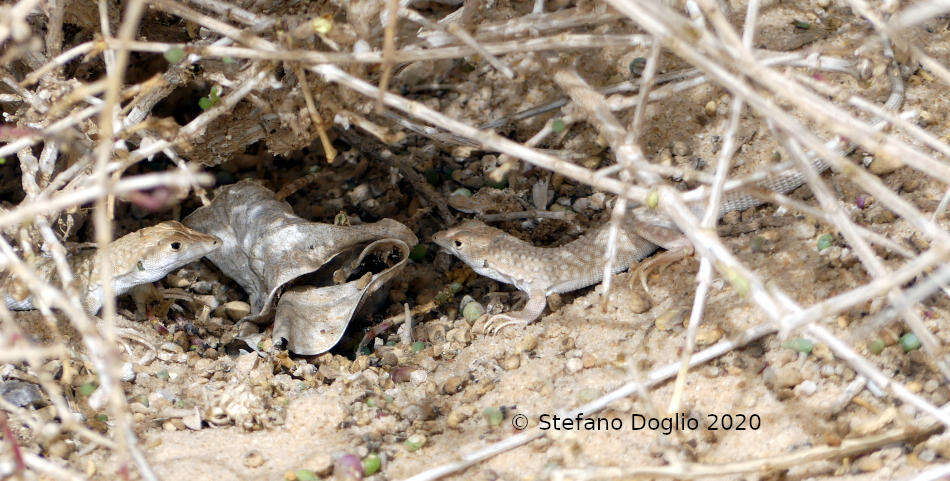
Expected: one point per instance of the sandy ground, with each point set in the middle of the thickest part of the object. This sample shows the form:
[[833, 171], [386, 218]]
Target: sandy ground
[[279, 414]]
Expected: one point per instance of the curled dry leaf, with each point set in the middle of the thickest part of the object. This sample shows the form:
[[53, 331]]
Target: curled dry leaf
[[265, 247]]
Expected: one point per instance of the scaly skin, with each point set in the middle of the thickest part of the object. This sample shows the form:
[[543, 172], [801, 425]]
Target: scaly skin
[[539, 271], [141, 257]]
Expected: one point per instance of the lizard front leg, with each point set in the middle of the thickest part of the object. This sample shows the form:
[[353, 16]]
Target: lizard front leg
[[532, 310]]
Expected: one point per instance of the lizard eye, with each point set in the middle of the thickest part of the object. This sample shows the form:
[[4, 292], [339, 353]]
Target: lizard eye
[[458, 243], [176, 245]]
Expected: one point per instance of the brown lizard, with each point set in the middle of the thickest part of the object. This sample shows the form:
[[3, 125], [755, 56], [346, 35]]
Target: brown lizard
[[541, 271], [141, 257]]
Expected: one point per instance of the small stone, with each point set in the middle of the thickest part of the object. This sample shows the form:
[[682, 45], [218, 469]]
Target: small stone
[[573, 365], [180, 282], [869, 463], [245, 363], [454, 384], [418, 377], [680, 149], [782, 377], [885, 164], [804, 230], [710, 108], [472, 311], [806, 388], [526, 343], [321, 464], [127, 372], [21, 393], [927, 455], [707, 335], [192, 421], [511, 362], [637, 303], [237, 310], [669, 319], [460, 334]]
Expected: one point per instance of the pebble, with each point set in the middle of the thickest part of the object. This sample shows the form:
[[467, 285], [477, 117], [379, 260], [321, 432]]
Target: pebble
[[127, 372], [472, 311], [885, 165], [21, 393], [418, 377], [707, 335], [527, 343], [237, 310], [180, 282], [253, 459], [637, 303], [680, 149], [782, 377], [870, 463], [460, 334], [804, 230], [806, 388], [927, 455], [711, 108], [245, 363], [511, 362], [668, 320], [574, 364], [202, 287], [931, 385], [454, 384]]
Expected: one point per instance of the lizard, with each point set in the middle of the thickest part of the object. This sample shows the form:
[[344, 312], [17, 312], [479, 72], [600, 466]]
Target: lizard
[[542, 271], [141, 257]]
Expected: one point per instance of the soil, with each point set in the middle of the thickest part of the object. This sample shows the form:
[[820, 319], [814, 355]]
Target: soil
[[208, 407]]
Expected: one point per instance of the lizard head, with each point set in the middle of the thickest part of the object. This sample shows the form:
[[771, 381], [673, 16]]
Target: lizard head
[[150, 254], [469, 241]]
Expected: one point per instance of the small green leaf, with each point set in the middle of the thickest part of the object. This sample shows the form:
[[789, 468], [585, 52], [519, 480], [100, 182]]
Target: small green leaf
[[801, 24], [418, 346], [371, 465], [3, 160], [493, 416], [462, 191], [825, 241], [910, 342], [103, 418], [88, 388], [414, 442], [174, 54], [205, 103], [305, 475], [227, 60], [876, 346], [653, 199], [215, 93], [558, 126], [800, 345]]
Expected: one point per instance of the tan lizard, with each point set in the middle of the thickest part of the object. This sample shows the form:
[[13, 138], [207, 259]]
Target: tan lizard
[[141, 257], [541, 271]]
